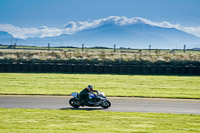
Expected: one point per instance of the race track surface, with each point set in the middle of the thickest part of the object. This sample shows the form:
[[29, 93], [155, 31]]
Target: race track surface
[[156, 105]]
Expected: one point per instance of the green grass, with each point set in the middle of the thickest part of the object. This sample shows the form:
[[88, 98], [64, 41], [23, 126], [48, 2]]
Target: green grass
[[3, 46], [111, 85], [40, 120]]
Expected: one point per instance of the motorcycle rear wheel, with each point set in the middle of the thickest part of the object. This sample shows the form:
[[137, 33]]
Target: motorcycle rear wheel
[[74, 103]]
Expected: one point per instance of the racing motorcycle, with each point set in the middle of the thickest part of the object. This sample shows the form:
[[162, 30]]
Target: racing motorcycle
[[95, 100]]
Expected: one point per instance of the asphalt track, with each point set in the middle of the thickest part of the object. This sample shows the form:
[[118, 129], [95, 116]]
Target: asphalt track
[[156, 105]]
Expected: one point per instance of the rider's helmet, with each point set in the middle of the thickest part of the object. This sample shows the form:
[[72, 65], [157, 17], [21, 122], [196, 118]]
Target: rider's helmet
[[90, 88]]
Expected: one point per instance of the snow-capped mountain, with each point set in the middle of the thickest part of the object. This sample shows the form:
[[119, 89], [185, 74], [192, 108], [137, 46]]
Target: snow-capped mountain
[[135, 34]]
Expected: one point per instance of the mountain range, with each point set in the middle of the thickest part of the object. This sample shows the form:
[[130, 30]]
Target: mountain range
[[137, 35]]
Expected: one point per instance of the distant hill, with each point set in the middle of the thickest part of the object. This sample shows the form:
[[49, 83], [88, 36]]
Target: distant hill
[[137, 35], [5, 35], [6, 38]]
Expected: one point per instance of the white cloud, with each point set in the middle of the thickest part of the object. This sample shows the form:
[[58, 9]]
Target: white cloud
[[24, 33], [49, 32], [192, 30], [19, 32], [73, 27]]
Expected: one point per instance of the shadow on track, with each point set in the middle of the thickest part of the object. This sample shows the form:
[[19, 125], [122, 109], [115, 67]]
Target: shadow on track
[[88, 109]]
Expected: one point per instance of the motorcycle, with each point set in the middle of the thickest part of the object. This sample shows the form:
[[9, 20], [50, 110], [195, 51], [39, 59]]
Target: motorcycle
[[95, 100]]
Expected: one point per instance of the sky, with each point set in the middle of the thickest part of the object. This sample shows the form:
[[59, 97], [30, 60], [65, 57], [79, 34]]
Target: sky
[[33, 15]]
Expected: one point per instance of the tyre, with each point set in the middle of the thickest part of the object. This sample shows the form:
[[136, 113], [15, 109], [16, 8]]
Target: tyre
[[106, 104], [74, 103]]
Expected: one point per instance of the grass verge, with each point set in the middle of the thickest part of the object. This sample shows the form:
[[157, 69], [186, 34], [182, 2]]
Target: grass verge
[[111, 85], [40, 120], [106, 56]]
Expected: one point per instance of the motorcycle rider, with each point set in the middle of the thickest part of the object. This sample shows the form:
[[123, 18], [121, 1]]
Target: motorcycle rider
[[84, 94]]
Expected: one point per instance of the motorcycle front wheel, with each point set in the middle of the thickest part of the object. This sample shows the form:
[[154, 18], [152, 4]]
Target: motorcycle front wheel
[[74, 103], [106, 104]]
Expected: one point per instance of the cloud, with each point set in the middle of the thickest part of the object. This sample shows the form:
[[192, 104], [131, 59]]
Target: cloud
[[19, 32], [70, 25], [192, 30], [73, 27], [24, 33], [44, 31]]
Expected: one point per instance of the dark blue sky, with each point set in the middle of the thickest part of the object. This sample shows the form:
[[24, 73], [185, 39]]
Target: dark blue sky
[[56, 13]]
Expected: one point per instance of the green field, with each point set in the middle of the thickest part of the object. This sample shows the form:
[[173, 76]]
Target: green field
[[40, 120], [111, 85], [66, 120]]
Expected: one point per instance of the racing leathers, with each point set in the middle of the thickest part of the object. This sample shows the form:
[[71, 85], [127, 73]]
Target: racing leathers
[[84, 95]]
